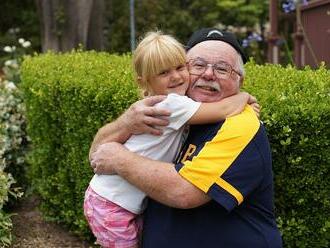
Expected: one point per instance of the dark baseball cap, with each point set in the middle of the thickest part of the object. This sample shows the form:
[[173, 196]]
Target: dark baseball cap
[[205, 34]]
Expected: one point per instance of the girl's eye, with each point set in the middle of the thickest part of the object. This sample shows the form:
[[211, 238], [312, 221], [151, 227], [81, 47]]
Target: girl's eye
[[163, 73], [180, 67]]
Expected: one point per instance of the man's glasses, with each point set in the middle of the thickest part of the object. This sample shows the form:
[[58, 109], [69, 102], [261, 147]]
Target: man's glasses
[[221, 70]]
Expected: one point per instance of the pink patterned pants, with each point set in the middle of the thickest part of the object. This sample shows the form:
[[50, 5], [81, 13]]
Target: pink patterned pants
[[112, 225]]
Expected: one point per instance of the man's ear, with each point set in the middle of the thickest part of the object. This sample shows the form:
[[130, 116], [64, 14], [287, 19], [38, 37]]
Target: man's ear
[[241, 79]]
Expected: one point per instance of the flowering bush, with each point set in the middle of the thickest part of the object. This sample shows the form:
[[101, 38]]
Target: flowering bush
[[252, 37], [290, 5], [12, 119], [253, 46], [13, 137], [6, 181], [12, 152], [14, 57]]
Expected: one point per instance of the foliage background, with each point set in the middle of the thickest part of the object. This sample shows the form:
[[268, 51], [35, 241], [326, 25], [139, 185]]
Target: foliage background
[[181, 17], [177, 17], [70, 96], [299, 132], [19, 19]]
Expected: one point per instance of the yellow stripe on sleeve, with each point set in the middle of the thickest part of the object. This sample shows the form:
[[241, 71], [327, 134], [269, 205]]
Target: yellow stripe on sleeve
[[230, 189], [217, 155]]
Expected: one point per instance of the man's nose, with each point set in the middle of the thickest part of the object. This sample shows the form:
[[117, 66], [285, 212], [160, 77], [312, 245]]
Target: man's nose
[[209, 73]]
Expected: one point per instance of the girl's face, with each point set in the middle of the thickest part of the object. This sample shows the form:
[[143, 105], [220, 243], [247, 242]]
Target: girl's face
[[172, 80]]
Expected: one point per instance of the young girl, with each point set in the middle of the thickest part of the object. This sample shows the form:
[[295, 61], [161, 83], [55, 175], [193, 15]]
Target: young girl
[[113, 206]]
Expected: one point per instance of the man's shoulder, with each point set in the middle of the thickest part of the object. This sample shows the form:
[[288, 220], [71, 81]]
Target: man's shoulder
[[245, 120], [245, 124], [242, 126]]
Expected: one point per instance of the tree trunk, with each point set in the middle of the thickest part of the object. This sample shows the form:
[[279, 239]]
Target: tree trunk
[[65, 24]]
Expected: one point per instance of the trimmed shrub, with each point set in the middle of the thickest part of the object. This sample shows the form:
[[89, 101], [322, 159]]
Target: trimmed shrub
[[70, 96], [296, 112]]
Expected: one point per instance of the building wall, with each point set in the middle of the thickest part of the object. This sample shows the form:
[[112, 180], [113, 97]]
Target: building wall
[[315, 20]]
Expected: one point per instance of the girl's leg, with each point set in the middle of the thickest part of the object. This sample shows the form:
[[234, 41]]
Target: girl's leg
[[112, 225]]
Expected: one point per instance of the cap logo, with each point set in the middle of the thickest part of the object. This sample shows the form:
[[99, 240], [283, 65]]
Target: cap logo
[[214, 32]]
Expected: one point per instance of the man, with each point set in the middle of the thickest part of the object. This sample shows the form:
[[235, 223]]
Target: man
[[220, 191]]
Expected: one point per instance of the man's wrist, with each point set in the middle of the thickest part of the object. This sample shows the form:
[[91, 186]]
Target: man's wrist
[[121, 158], [123, 125], [123, 130]]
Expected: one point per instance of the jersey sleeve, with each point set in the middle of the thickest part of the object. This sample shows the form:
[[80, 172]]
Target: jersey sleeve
[[182, 108], [229, 166]]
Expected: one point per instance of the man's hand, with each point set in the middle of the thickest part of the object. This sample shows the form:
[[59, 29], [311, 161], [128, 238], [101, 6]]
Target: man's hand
[[107, 157], [144, 117], [157, 179]]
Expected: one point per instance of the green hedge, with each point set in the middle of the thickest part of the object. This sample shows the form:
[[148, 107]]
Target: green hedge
[[70, 96], [296, 112]]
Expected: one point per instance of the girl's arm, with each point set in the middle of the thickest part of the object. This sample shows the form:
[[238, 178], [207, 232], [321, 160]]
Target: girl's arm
[[141, 117], [229, 106]]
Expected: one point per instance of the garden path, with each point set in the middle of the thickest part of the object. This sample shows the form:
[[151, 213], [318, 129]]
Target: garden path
[[31, 231]]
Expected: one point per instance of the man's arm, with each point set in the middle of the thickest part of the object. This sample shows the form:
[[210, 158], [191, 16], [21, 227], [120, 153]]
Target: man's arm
[[141, 117], [110, 132], [158, 180]]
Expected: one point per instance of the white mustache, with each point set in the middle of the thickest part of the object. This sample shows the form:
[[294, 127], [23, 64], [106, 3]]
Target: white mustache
[[210, 84]]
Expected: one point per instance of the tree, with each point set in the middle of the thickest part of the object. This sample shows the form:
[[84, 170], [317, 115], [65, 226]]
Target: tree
[[249, 17], [67, 23], [177, 17], [181, 17], [240, 13]]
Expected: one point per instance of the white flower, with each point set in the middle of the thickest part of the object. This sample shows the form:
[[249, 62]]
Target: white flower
[[13, 48], [12, 63], [14, 30], [10, 86], [21, 41], [8, 62], [7, 49], [26, 44]]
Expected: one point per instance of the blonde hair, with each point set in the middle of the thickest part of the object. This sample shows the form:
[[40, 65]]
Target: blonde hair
[[156, 52]]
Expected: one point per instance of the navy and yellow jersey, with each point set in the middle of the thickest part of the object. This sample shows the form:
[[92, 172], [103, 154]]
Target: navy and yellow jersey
[[231, 162]]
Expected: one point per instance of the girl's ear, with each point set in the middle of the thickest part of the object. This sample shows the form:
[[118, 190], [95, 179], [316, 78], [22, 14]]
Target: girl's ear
[[143, 85], [146, 93]]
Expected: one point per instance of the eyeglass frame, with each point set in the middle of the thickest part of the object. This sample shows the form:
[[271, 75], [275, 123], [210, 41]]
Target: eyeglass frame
[[213, 69]]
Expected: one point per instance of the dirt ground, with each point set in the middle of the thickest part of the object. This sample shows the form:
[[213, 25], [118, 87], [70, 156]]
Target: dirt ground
[[31, 231]]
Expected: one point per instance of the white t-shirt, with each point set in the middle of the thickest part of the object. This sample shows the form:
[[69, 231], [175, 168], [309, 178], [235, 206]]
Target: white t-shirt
[[163, 148]]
